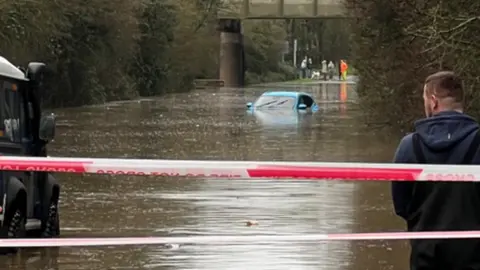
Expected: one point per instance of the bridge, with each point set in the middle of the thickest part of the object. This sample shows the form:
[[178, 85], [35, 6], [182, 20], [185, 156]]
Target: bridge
[[280, 9], [231, 64]]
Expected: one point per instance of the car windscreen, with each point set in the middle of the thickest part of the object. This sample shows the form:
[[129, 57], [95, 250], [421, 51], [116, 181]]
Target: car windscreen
[[275, 102], [10, 111]]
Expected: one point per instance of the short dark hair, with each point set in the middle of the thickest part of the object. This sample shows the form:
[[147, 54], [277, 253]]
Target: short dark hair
[[446, 84]]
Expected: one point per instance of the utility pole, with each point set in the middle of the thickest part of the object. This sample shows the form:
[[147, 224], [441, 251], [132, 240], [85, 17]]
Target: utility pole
[[295, 53]]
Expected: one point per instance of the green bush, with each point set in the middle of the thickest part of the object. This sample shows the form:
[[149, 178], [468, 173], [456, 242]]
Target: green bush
[[264, 41]]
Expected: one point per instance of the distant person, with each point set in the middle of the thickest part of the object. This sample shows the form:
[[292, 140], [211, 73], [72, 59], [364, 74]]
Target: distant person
[[445, 136], [309, 67], [324, 70], [340, 70], [343, 69], [331, 69], [303, 67]]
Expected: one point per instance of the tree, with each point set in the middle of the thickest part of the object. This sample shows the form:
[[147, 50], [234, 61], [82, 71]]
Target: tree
[[396, 44]]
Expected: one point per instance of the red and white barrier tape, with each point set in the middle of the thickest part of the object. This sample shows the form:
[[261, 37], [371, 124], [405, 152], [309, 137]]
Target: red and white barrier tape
[[240, 239], [245, 169]]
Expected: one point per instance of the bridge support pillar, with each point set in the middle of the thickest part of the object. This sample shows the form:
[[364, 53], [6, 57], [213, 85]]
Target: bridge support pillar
[[232, 56]]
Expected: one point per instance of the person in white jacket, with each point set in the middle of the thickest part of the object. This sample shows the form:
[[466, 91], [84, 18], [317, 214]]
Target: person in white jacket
[[324, 70], [303, 67], [331, 70]]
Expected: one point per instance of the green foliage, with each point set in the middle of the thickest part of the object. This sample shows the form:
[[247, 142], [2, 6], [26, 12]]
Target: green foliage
[[264, 43], [157, 21], [398, 43]]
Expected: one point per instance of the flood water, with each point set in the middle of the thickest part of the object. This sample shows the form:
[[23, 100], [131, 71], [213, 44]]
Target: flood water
[[213, 124]]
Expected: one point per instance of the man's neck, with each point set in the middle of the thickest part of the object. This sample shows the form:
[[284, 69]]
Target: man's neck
[[448, 110]]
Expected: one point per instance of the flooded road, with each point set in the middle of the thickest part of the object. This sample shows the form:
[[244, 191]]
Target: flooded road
[[213, 124]]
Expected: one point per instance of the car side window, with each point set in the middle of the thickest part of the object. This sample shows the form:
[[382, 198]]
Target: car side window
[[308, 101]]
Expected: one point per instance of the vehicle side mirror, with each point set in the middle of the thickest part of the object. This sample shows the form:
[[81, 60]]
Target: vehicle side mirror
[[47, 127], [35, 72], [249, 105], [302, 107]]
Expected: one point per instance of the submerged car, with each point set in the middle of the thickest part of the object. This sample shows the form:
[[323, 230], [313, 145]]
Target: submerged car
[[284, 100]]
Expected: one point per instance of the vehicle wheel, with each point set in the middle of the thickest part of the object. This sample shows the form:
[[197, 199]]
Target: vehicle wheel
[[14, 229], [52, 225]]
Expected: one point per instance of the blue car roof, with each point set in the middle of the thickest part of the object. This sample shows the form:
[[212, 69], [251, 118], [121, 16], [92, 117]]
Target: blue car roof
[[284, 94]]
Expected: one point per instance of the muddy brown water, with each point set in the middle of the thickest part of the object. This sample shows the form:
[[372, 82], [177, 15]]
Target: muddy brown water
[[213, 124]]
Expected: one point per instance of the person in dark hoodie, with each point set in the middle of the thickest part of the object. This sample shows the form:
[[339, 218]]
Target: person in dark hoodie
[[445, 136]]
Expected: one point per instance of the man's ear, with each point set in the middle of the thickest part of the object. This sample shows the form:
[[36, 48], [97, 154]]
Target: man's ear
[[434, 101]]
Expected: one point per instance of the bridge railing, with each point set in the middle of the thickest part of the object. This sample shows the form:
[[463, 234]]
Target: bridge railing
[[271, 9]]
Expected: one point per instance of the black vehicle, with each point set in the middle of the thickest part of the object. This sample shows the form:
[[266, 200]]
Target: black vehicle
[[29, 200]]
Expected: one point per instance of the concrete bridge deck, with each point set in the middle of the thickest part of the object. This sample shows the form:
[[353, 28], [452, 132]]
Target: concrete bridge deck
[[280, 9]]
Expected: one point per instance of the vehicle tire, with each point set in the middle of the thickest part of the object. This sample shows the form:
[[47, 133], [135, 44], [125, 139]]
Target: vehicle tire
[[52, 224], [14, 229]]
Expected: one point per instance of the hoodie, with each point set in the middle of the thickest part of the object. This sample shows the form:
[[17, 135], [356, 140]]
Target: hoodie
[[440, 206]]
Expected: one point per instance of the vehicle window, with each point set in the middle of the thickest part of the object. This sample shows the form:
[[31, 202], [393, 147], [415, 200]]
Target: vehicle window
[[273, 102], [10, 112], [307, 101]]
